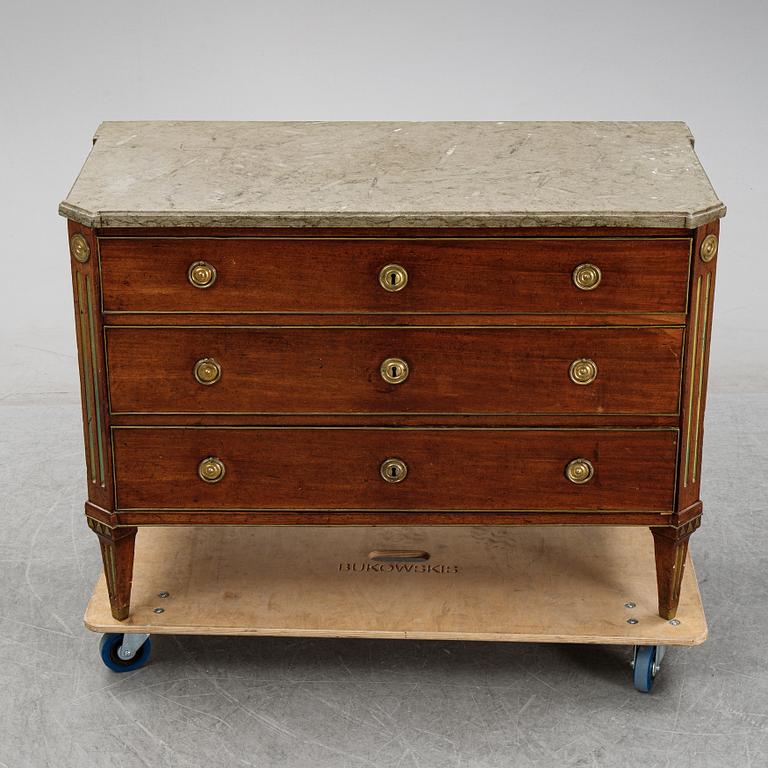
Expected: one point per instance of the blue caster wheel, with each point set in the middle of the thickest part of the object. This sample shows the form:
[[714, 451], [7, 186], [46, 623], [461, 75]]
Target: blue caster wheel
[[124, 653], [646, 665]]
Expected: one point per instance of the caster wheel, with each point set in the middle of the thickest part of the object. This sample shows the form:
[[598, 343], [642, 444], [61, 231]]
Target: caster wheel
[[645, 666], [111, 644]]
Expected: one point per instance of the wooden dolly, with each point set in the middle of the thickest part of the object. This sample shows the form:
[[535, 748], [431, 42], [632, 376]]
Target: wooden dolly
[[509, 584]]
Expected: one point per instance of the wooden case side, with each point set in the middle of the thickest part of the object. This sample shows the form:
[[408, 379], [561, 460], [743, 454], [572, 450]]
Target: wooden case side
[[86, 287], [695, 368]]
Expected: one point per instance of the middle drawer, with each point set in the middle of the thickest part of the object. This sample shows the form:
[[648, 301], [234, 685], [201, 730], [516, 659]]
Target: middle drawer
[[353, 370]]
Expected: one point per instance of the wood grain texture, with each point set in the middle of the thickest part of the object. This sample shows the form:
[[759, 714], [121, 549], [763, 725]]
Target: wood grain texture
[[342, 519], [563, 585], [396, 320], [466, 371], [319, 275], [327, 469], [390, 420]]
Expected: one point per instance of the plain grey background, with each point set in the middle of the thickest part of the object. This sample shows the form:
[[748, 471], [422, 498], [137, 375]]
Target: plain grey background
[[65, 67]]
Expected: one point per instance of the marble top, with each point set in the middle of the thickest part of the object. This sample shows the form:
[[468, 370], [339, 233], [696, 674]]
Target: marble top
[[386, 174]]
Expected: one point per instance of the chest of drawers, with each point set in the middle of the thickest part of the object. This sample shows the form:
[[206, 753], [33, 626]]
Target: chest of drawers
[[393, 323]]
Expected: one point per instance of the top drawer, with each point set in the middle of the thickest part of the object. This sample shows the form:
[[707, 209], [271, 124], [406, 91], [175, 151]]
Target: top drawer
[[343, 275]]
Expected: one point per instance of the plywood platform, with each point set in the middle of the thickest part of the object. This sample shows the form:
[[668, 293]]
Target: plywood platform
[[523, 584]]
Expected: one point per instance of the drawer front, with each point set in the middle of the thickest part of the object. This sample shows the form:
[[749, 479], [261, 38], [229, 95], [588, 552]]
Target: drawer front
[[341, 469], [345, 276], [446, 371]]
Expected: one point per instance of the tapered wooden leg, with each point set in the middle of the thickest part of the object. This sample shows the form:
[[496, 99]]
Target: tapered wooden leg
[[671, 547], [117, 546]]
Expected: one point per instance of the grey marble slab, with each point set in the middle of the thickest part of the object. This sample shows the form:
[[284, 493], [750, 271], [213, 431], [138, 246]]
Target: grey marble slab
[[384, 174]]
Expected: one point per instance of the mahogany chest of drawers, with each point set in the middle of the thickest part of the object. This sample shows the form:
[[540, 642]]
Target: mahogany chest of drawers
[[393, 323]]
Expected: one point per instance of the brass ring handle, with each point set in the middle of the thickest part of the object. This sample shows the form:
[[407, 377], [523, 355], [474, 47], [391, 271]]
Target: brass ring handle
[[393, 278], [579, 471], [393, 470], [587, 277], [207, 371], [394, 370], [201, 274], [583, 371], [211, 470]]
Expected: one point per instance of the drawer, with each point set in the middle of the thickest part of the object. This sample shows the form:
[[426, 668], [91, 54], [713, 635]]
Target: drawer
[[344, 370], [445, 469], [470, 275]]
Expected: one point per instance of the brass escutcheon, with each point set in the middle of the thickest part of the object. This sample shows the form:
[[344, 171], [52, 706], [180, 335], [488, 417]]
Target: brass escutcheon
[[79, 248], [394, 370], [393, 470], [211, 470], [708, 249], [587, 277], [201, 274], [207, 371], [579, 471], [393, 277], [583, 371]]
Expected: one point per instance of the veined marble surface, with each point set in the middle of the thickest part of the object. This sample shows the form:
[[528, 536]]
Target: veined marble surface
[[385, 174]]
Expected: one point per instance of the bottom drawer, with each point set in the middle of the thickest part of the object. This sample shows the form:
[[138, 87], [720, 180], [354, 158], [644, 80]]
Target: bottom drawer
[[448, 469]]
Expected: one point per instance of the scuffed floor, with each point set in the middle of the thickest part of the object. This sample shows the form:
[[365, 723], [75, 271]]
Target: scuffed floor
[[206, 701]]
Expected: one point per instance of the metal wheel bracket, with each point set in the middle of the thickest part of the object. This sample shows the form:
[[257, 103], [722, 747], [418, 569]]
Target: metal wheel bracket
[[132, 642]]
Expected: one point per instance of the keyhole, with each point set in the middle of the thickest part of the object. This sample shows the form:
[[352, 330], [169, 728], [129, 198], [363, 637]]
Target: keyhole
[[394, 371], [393, 470], [393, 277]]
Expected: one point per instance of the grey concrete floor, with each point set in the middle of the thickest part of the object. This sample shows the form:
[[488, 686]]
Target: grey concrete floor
[[206, 701]]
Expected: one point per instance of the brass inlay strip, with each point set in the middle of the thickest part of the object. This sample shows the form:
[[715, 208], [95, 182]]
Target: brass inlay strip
[[185, 427], [690, 387], [365, 314], [376, 510], [411, 238], [702, 361], [110, 570], [550, 414], [88, 379], [446, 328], [94, 369], [448, 523]]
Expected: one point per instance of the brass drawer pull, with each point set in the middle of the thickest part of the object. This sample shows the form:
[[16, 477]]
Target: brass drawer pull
[[394, 370], [583, 371], [393, 277], [587, 277], [579, 471], [399, 555], [201, 274], [393, 470], [211, 470], [207, 371]]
